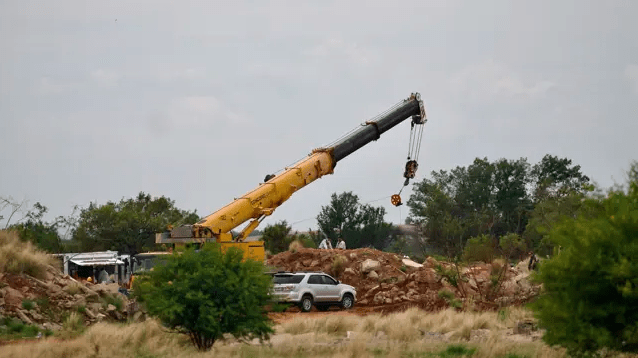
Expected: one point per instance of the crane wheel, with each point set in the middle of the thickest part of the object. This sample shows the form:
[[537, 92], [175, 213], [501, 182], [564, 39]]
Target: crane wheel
[[395, 200]]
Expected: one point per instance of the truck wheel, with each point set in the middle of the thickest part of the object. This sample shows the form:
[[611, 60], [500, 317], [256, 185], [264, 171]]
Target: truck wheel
[[306, 303], [347, 301]]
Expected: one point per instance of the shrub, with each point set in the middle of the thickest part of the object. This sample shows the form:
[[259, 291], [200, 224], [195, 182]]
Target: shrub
[[480, 248], [339, 263], [28, 304], [207, 294], [295, 246], [590, 296], [114, 300], [73, 324], [449, 297], [19, 257]]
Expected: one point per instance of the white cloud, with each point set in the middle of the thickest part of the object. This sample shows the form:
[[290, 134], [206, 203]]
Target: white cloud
[[632, 75], [490, 81], [105, 78]]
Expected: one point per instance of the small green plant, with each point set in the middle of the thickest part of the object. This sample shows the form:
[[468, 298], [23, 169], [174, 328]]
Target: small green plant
[[113, 300], [503, 314], [28, 304], [403, 268], [457, 350], [451, 275], [449, 297], [43, 302], [72, 326], [12, 328], [81, 309]]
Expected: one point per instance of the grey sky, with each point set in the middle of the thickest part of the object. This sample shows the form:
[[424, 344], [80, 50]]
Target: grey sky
[[199, 100]]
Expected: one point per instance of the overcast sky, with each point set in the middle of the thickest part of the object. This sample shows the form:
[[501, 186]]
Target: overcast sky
[[199, 100]]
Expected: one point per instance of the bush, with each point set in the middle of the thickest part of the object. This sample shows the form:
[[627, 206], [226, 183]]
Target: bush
[[295, 246], [207, 294], [480, 248], [19, 257], [339, 263], [28, 304], [590, 298]]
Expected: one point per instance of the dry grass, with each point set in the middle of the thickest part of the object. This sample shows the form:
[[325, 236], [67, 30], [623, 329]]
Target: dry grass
[[295, 246], [397, 335], [17, 256]]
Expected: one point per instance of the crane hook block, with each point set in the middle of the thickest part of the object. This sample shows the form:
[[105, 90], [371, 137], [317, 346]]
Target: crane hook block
[[410, 169], [396, 200]]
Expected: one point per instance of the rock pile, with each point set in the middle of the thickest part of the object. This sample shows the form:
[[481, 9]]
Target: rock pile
[[387, 279], [48, 302]]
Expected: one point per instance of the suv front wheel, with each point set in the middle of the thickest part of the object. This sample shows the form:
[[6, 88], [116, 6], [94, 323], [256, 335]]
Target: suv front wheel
[[306, 303], [347, 301]]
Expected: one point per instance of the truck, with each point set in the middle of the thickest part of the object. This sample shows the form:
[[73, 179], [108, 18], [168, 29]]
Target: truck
[[263, 200]]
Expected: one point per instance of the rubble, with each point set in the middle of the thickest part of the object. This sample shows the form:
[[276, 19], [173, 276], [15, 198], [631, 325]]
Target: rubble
[[389, 280], [47, 302]]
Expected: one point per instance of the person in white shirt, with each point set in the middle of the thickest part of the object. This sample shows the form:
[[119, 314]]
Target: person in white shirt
[[341, 244], [325, 244]]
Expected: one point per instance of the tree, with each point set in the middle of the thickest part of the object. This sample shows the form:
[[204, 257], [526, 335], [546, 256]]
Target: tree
[[277, 237], [359, 225], [127, 226], [590, 298], [486, 198], [36, 230], [207, 294]]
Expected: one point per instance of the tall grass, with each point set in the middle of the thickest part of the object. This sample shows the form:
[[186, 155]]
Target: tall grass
[[404, 335], [17, 256]]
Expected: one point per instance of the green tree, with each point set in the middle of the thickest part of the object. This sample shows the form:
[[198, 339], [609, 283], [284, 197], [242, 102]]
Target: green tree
[[590, 298], [277, 237], [42, 234], [206, 294], [127, 226], [359, 225]]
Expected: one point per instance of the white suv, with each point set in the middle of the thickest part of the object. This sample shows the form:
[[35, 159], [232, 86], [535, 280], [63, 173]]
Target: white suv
[[312, 288]]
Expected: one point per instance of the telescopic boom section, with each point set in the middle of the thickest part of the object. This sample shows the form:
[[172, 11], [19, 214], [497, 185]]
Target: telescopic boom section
[[263, 200]]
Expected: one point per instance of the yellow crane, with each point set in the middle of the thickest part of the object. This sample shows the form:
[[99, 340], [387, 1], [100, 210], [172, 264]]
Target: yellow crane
[[262, 201]]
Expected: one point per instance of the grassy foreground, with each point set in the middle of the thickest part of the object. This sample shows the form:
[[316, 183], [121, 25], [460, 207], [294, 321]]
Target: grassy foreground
[[412, 334]]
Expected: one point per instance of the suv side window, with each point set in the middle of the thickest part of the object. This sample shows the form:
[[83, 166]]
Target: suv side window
[[328, 280], [315, 280]]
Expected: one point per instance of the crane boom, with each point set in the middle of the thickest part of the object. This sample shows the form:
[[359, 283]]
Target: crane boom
[[276, 189]]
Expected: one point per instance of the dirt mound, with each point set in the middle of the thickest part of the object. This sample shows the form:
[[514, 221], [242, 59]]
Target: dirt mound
[[390, 282], [47, 302]]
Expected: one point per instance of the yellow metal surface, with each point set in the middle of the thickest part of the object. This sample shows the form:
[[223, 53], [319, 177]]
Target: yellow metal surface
[[263, 200]]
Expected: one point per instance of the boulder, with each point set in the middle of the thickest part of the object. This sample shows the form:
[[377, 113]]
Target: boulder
[[111, 308], [369, 265], [21, 314], [373, 275], [349, 271], [314, 263], [12, 297]]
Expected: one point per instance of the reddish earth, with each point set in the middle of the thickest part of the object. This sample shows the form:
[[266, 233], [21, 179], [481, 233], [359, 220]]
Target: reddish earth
[[386, 283]]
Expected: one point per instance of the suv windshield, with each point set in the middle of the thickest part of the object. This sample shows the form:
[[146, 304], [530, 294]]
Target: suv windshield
[[283, 279]]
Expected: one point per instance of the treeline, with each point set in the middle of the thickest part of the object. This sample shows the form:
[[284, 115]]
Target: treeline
[[127, 226], [483, 201], [497, 199]]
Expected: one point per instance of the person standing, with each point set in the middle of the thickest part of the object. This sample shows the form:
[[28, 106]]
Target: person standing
[[325, 244], [341, 244]]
